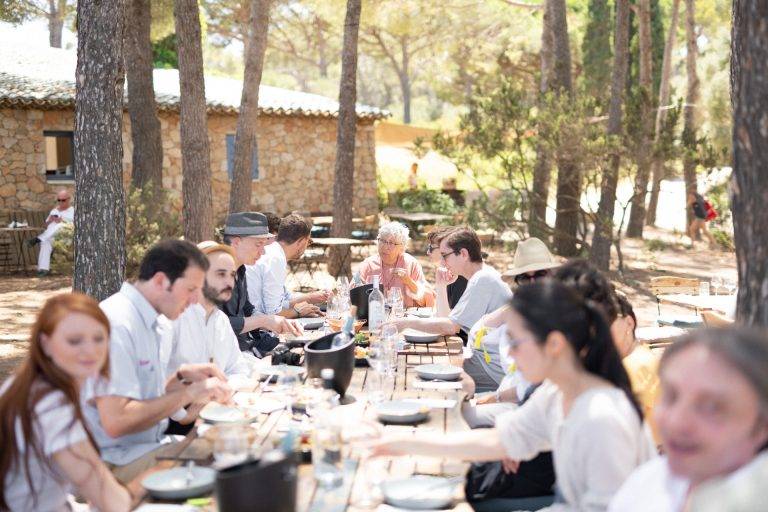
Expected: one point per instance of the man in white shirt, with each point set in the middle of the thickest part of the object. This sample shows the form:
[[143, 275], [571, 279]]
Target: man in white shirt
[[267, 289], [128, 415], [63, 212], [203, 334]]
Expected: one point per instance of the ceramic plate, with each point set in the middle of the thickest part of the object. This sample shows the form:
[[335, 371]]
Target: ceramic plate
[[401, 412], [421, 312], [420, 492], [215, 412], [258, 403], [414, 336], [173, 484], [438, 372]]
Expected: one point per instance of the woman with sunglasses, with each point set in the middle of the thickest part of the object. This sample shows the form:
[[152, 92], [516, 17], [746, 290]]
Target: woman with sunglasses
[[584, 411], [396, 268], [46, 446]]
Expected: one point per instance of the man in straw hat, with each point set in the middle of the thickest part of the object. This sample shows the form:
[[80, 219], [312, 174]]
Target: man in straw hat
[[248, 233], [532, 261]]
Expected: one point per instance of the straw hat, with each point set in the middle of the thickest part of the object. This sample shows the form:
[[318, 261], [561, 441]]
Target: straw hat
[[531, 255]]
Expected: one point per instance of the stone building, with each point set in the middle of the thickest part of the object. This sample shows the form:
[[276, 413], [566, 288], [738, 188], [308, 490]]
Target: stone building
[[293, 169]]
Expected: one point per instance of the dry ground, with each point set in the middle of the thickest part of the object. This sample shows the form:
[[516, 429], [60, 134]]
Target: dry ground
[[21, 297]]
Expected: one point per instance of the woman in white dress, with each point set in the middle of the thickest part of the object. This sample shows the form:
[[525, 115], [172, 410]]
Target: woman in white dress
[[713, 421], [584, 412], [47, 450]]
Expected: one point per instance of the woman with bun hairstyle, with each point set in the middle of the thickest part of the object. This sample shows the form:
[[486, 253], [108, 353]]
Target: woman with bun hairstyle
[[584, 411], [47, 450]]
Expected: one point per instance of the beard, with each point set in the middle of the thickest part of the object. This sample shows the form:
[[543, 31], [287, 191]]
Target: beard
[[213, 295]]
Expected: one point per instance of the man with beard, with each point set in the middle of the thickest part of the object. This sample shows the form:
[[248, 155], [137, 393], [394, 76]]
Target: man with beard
[[203, 334]]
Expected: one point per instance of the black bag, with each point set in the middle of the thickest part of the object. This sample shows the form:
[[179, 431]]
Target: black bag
[[487, 480], [258, 342]]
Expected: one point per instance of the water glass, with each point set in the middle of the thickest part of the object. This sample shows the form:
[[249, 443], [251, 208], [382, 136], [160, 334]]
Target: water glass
[[395, 302], [231, 445]]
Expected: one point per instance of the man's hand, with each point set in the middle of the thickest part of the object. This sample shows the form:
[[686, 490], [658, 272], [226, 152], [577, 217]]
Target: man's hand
[[509, 465], [318, 297], [209, 389], [282, 325], [444, 277], [198, 372], [304, 309]]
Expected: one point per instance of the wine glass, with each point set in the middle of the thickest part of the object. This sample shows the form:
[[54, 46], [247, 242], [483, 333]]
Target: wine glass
[[231, 445]]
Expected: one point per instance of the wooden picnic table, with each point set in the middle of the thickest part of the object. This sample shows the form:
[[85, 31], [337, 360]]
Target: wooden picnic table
[[720, 303], [357, 482]]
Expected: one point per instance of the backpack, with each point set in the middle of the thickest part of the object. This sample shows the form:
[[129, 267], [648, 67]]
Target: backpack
[[710, 211]]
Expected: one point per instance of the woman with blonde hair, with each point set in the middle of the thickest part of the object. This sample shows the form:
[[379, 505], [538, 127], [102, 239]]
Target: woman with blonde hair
[[46, 446]]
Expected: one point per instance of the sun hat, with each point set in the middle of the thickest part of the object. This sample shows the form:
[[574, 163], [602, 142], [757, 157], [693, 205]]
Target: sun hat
[[247, 224], [531, 255]]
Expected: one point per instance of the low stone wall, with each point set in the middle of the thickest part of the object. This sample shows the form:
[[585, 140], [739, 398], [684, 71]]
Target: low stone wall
[[296, 160]]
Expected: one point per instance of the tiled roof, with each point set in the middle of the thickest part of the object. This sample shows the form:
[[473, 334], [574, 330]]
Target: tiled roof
[[44, 79]]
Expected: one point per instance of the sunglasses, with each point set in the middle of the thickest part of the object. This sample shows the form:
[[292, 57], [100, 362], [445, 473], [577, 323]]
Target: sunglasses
[[527, 278], [62, 200]]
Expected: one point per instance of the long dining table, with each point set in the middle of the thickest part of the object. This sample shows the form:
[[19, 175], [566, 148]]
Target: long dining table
[[361, 474]]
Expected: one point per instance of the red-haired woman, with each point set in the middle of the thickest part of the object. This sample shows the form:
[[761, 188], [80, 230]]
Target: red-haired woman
[[46, 446]]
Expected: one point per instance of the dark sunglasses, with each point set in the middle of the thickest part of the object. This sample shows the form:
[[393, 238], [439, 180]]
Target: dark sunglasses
[[527, 278], [62, 200]]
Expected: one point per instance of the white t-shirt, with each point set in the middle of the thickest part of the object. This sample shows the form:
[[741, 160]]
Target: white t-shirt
[[55, 429], [485, 292], [266, 281], [594, 449], [67, 215], [198, 340], [651, 487]]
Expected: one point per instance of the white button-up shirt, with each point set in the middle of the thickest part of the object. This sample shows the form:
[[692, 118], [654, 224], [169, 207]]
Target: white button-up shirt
[[197, 339], [266, 281], [137, 363]]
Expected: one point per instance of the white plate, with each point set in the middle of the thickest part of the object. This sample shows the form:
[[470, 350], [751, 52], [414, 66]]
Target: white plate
[[214, 412], [416, 336], [421, 312], [258, 403], [401, 412], [172, 484], [438, 372], [420, 492]]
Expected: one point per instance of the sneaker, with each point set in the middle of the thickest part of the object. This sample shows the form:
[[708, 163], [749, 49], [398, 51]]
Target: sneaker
[[33, 241], [43, 273]]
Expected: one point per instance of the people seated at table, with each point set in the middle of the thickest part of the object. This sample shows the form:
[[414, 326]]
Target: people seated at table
[[267, 289], [128, 413], [461, 253], [248, 234], [448, 287], [532, 261], [584, 410], [641, 364], [47, 451], [396, 268], [202, 333], [61, 214], [713, 421]]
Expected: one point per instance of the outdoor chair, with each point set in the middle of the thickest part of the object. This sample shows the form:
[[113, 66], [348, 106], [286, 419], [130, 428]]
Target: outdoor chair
[[666, 285], [309, 263], [369, 228]]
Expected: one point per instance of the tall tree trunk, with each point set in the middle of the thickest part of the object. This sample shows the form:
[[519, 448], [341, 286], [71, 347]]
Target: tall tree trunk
[[405, 81], [147, 155], [749, 81], [568, 173], [690, 122], [245, 140], [344, 167], [195, 153], [603, 237], [56, 13], [537, 220], [99, 196], [661, 113], [637, 212]]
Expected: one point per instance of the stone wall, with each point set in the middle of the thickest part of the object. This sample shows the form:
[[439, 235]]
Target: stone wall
[[296, 159]]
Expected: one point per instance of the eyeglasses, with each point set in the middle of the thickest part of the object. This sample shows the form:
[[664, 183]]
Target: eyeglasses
[[431, 249], [387, 243], [62, 200], [444, 256], [527, 277]]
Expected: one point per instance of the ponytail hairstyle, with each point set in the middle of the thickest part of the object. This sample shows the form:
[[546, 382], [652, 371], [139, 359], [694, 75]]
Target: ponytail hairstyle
[[548, 306], [38, 376]]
